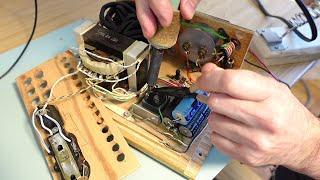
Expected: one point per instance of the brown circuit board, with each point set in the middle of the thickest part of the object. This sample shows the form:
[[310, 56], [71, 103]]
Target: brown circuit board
[[98, 136]]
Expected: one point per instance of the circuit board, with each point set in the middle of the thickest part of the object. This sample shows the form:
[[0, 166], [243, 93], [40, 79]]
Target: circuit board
[[98, 136]]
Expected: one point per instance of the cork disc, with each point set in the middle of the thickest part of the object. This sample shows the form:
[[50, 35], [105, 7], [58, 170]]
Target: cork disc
[[166, 37]]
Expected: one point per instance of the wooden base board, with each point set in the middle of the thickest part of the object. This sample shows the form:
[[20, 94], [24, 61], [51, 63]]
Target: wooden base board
[[83, 115]]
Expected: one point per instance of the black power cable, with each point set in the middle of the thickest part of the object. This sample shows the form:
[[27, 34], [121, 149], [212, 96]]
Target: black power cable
[[121, 17], [28, 42], [307, 14]]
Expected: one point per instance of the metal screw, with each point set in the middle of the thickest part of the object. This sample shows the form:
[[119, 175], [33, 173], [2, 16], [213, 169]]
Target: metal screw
[[202, 52], [186, 46], [126, 114]]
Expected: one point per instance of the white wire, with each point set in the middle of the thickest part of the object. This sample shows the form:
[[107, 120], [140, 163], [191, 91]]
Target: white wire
[[59, 127], [113, 94], [43, 126], [108, 59], [44, 145], [111, 81], [54, 85]]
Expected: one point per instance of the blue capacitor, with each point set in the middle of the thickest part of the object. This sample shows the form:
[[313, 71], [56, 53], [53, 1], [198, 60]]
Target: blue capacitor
[[187, 109]]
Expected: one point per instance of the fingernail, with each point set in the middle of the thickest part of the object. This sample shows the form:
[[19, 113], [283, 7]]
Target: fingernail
[[193, 88], [202, 98], [190, 10]]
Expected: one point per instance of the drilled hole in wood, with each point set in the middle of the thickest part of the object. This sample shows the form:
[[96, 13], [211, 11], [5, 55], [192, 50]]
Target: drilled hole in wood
[[31, 92], [74, 77], [105, 129], [100, 121], [67, 65], [71, 70], [110, 138], [79, 84], [92, 105], [120, 157], [46, 94], [97, 112], [28, 81], [43, 84], [64, 59], [39, 74], [115, 147], [36, 101], [87, 98]]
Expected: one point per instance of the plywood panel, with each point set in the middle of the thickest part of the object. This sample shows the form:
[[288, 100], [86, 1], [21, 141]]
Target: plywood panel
[[83, 115]]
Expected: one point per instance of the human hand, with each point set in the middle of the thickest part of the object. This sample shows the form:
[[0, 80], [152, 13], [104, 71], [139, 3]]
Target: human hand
[[150, 12], [258, 121]]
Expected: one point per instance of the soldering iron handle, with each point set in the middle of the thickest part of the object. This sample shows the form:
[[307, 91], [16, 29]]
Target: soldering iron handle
[[155, 63]]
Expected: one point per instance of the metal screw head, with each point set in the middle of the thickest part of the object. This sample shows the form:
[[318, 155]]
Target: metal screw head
[[186, 46], [202, 52], [126, 114]]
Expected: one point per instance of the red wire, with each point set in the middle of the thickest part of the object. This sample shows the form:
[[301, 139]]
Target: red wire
[[264, 65]]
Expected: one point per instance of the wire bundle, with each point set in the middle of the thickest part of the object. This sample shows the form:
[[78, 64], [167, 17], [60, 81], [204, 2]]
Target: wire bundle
[[121, 17]]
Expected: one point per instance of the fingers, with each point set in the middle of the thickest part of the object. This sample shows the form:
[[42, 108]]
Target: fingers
[[246, 112], [152, 12], [231, 129], [226, 146], [162, 10], [237, 151], [188, 8], [146, 18], [240, 84]]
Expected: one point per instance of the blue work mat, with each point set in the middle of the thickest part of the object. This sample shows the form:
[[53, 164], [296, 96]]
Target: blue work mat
[[20, 155]]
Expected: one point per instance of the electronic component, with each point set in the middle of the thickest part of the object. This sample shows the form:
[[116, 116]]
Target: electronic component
[[186, 109], [64, 158], [114, 55], [176, 110], [69, 160], [197, 42], [202, 44], [103, 39]]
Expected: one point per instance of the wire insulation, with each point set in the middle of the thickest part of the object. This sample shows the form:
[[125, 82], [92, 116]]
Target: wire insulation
[[28, 42]]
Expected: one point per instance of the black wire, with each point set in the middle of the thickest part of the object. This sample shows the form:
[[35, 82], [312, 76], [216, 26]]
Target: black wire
[[28, 42], [121, 17], [267, 71], [307, 14], [257, 66]]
